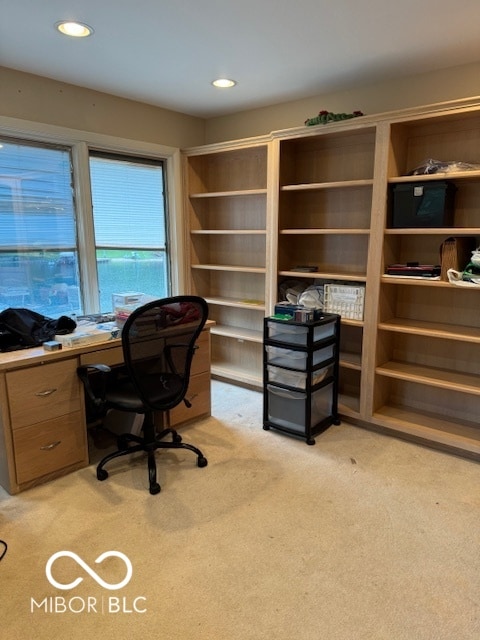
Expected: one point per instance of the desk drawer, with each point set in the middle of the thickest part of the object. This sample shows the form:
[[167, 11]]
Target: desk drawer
[[199, 395], [201, 358], [44, 392], [49, 446], [114, 355], [110, 357]]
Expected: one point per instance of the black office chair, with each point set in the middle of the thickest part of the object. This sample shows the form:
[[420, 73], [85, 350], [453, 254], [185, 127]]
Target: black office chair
[[158, 341]]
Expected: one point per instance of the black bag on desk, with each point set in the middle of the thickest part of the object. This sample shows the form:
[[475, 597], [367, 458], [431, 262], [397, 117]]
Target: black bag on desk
[[30, 329], [8, 341]]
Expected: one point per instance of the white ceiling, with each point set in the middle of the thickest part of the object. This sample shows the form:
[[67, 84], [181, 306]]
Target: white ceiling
[[166, 53]]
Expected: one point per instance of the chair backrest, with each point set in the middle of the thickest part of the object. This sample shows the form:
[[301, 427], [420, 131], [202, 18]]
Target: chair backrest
[[158, 342]]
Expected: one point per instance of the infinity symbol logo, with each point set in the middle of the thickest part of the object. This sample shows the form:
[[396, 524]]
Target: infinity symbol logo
[[89, 570]]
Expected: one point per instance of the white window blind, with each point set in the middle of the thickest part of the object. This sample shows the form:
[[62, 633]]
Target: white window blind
[[36, 198], [129, 224], [128, 203]]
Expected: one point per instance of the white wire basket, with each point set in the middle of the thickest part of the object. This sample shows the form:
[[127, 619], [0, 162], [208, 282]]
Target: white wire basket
[[347, 301]]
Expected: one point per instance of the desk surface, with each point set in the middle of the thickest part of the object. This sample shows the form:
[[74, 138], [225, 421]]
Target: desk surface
[[27, 357]]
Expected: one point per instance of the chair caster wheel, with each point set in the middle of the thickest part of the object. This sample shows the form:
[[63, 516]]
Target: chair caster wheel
[[202, 462], [155, 488], [102, 474], [310, 441], [266, 427]]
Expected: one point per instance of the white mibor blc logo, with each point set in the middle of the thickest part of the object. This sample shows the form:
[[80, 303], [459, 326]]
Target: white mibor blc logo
[[93, 574]]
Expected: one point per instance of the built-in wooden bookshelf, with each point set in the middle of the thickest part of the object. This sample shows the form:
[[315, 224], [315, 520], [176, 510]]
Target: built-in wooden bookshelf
[[227, 221], [321, 197]]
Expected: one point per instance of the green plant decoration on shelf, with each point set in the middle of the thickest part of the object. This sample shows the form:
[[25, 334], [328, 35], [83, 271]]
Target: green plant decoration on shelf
[[324, 117]]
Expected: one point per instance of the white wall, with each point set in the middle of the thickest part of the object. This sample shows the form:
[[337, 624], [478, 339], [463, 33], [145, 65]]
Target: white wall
[[397, 93], [38, 99]]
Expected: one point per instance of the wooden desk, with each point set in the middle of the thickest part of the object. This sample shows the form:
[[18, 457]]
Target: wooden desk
[[43, 431]]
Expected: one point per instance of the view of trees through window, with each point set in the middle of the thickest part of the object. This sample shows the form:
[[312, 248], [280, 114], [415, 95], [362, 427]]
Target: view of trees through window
[[40, 256], [130, 226]]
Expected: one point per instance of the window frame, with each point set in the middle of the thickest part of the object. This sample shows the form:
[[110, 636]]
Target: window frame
[[81, 144]]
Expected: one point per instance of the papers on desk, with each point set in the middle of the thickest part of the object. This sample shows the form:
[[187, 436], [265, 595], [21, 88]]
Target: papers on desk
[[89, 333]]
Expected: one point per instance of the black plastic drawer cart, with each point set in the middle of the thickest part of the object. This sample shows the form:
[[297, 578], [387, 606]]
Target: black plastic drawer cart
[[300, 375]]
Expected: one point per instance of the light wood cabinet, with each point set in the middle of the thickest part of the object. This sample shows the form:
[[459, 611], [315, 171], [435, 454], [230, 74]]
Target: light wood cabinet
[[427, 343], [324, 217], [49, 447], [226, 204], [411, 365], [198, 394], [41, 393], [43, 423]]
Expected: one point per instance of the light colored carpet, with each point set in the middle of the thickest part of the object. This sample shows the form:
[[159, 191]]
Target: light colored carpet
[[360, 537]]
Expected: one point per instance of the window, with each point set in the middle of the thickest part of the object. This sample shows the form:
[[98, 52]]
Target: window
[[129, 222], [47, 260], [38, 247]]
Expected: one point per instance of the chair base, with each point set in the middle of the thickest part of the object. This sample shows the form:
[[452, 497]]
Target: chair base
[[149, 444]]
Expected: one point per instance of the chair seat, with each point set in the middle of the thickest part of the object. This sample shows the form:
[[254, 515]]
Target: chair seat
[[158, 389], [125, 398]]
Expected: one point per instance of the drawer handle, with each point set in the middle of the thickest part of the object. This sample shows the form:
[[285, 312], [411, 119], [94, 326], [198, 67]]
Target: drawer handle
[[48, 392], [52, 445]]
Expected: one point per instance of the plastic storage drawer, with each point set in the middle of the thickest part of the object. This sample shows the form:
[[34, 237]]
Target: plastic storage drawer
[[297, 379], [298, 334], [298, 359], [288, 409]]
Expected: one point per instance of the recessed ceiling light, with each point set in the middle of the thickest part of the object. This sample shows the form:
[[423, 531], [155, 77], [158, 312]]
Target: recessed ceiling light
[[224, 83], [74, 29]]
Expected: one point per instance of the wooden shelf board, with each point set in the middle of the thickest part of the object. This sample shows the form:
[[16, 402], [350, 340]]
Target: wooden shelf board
[[352, 323], [236, 333], [350, 360], [418, 282], [228, 194], [224, 232], [255, 305], [317, 186], [336, 232], [465, 436], [435, 177], [231, 373], [323, 275], [433, 231], [432, 329], [229, 267], [442, 378]]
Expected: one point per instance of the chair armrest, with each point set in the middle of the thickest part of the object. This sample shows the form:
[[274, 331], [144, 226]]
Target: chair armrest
[[168, 354], [95, 398]]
